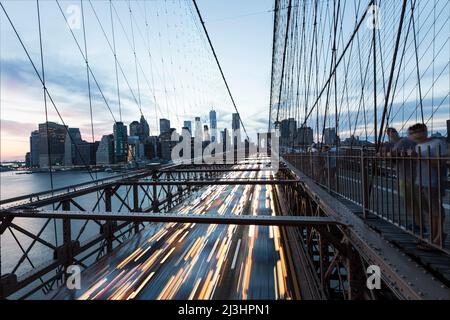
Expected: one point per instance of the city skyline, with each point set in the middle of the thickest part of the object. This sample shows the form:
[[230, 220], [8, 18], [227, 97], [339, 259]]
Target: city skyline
[[224, 150], [178, 93], [127, 142], [21, 95]]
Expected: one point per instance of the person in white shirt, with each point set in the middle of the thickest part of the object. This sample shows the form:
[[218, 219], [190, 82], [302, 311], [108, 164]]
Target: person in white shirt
[[431, 177]]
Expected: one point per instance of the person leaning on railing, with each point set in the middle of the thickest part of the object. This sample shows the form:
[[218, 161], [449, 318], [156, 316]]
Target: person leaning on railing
[[430, 178], [399, 150]]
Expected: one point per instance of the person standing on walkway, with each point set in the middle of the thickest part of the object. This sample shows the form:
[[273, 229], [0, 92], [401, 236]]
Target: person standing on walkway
[[405, 173], [430, 180]]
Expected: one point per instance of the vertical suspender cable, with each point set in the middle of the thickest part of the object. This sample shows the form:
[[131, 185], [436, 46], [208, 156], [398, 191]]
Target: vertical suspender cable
[[391, 77], [115, 59], [135, 57], [45, 95], [88, 77], [46, 112], [218, 65]]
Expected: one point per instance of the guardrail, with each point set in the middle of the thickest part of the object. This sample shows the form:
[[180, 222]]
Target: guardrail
[[410, 192]]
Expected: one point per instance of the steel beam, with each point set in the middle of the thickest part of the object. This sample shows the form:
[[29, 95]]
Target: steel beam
[[217, 170], [179, 218], [210, 182]]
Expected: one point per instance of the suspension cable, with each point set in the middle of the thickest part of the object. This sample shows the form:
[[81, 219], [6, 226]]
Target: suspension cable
[[218, 65]]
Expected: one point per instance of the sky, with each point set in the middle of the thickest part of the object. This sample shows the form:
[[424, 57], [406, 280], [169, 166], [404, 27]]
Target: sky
[[164, 67], [173, 75]]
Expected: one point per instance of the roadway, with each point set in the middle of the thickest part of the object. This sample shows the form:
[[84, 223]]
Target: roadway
[[194, 261]]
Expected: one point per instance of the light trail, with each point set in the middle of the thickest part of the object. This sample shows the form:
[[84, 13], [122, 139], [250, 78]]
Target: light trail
[[189, 261]]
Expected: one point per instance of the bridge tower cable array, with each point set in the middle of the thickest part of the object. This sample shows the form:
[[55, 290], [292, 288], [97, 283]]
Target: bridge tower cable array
[[218, 65], [388, 69]]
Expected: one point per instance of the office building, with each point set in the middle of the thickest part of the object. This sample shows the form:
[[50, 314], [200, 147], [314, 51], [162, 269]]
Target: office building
[[51, 144], [305, 136], [213, 125], [86, 153], [167, 144], [28, 160], [198, 135], [188, 125], [236, 125], [151, 147], [164, 126], [329, 137], [135, 128], [206, 135], [225, 136], [120, 143], [135, 149], [105, 151], [145, 130], [73, 139], [34, 149]]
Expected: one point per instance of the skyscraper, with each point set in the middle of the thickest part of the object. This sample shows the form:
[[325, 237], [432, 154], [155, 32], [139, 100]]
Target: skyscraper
[[73, 138], [448, 131], [135, 149], [164, 126], [292, 130], [86, 153], [188, 125], [145, 130], [213, 124], [198, 129], [304, 136], [206, 135], [34, 149], [236, 125], [51, 144], [120, 142], [167, 144], [28, 160], [135, 129], [330, 136], [105, 151], [225, 137]]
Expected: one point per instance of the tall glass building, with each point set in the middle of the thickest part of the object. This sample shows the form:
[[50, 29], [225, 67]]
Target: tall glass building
[[213, 125], [120, 142]]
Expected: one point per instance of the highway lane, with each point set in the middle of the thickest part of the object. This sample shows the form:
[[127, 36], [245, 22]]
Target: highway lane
[[189, 261]]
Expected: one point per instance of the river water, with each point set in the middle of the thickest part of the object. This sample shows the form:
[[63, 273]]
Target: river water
[[13, 184]]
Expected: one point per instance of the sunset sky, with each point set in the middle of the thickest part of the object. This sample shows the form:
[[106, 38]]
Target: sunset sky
[[178, 78], [185, 81]]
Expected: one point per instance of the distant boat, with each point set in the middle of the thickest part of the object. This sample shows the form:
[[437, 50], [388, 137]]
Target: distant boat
[[108, 170]]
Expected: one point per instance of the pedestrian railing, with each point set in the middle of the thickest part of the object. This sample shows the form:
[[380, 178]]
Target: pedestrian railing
[[407, 190]]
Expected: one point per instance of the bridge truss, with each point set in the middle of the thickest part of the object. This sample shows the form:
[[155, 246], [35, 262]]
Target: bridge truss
[[331, 247]]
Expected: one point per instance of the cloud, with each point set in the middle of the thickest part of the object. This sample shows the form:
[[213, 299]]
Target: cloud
[[16, 128]]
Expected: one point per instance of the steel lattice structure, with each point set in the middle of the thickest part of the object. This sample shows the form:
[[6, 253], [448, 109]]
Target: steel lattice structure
[[360, 66]]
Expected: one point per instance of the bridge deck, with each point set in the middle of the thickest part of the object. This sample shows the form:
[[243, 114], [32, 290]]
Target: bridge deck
[[197, 258], [436, 261], [406, 277]]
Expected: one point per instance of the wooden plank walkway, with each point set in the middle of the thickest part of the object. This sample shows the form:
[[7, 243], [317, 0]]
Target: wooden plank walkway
[[434, 260]]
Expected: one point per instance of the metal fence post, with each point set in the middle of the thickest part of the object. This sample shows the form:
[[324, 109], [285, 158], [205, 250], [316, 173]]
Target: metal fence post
[[136, 205], [108, 225], [328, 172], [67, 238], [364, 186]]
